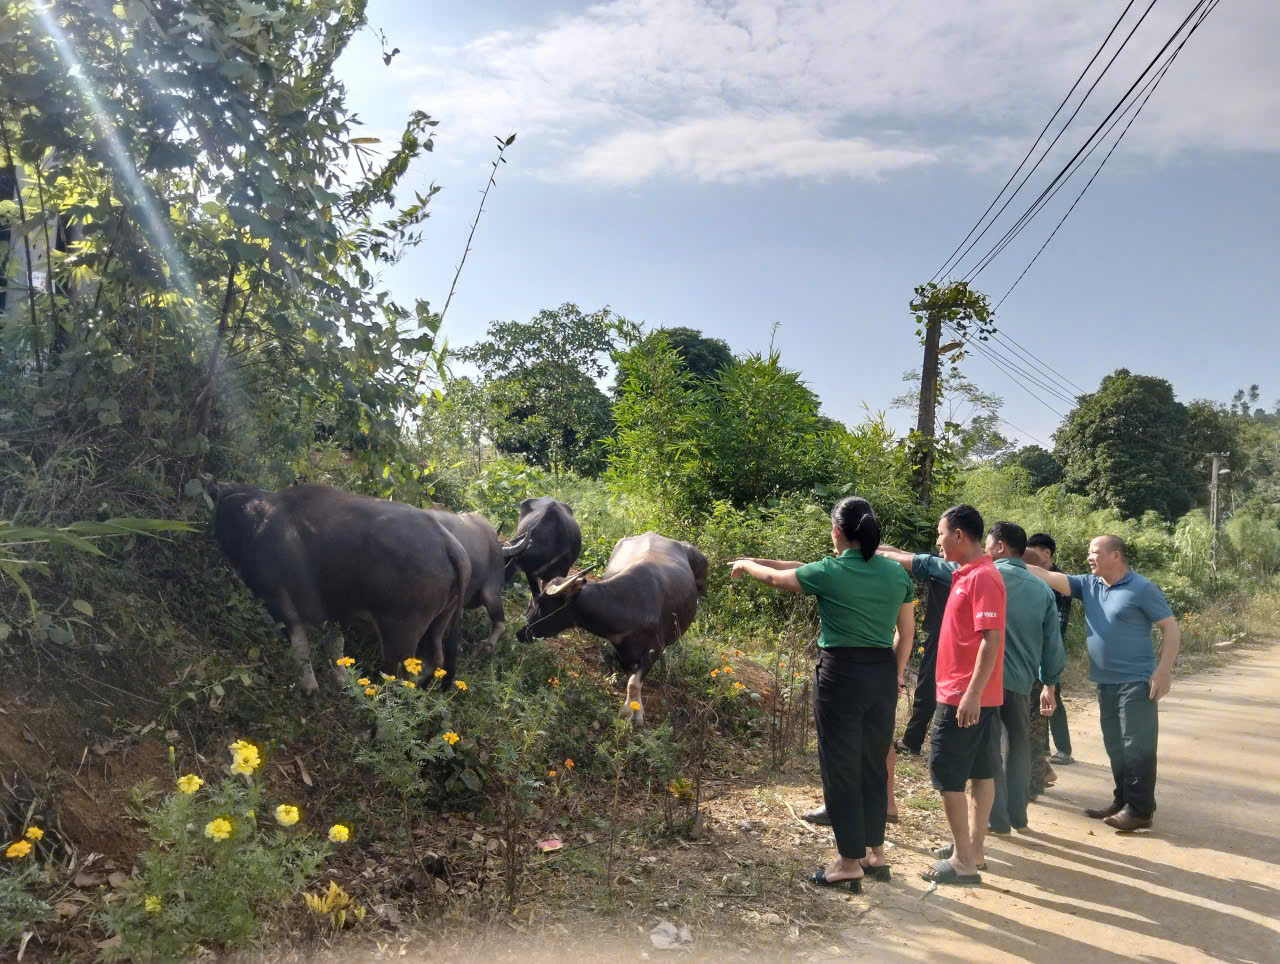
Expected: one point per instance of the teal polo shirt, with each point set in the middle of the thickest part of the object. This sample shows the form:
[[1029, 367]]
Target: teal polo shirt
[[1032, 638], [1119, 618], [1032, 649]]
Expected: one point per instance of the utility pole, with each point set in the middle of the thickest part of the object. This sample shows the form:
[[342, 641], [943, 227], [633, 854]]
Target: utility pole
[[1214, 515], [926, 420]]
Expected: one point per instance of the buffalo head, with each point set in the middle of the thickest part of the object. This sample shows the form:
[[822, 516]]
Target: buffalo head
[[514, 549], [551, 611]]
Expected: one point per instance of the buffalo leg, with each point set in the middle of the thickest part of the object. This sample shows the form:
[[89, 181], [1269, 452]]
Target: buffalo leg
[[302, 655], [439, 645], [399, 642], [498, 618], [634, 683], [337, 645]]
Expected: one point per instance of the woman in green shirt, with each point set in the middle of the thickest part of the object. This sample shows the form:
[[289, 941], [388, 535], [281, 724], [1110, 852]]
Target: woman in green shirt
[[862, 599]]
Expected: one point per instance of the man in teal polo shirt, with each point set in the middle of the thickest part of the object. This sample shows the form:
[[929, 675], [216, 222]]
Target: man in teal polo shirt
[[1032, 650], [1120, 607]]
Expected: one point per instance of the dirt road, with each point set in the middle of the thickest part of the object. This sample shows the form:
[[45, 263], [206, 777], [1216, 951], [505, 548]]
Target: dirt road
[[1204, 884]]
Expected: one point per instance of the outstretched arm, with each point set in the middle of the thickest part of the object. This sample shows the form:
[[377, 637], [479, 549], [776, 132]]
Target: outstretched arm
[[778, 578], [904, 559], [1057, 581], [770, 563]]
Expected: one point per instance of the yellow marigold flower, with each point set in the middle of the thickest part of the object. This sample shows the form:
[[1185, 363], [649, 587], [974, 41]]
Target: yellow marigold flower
[[739, 686], [371, 691], [363, 681], [408, 684], [386, 678], [920, 650], [461, 685], [634, 705], [339, 833], [151, 904], [572, 674], [241, 745], [218, 829], [18, 850], [715, 673], [554, 681], [345, 662], [190, 783], [551, 773], [451, 738], [439, 673], [568, 764], [33, 833], [246, 761], [287, 815], [413, 665]]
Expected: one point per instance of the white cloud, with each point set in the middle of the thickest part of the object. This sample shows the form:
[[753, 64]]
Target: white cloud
[[727, 90]]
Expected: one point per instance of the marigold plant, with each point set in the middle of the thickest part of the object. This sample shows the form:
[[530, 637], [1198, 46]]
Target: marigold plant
[[18, 850], [190, 783], [287, 815], [413, 665], [339, 833], [218, 829], [34, 833]]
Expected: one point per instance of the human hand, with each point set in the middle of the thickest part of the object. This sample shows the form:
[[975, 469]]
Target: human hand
[[738, 568], [1048, 705], [1160, 684], [970, 709]]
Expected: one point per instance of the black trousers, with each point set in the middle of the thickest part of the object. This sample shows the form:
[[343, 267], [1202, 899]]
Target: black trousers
[[1013, 779], [854, 695], [1130, 733], [925, 701], [1058, 724]]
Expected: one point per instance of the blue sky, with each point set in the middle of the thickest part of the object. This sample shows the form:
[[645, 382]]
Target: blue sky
[[729, 164]]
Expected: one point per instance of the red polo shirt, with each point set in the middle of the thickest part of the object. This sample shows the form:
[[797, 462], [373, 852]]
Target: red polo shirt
[[976, 603]]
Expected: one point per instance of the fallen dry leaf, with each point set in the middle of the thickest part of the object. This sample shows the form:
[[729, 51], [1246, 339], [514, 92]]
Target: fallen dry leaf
[[117, 879], [85, 879], [66, 909]]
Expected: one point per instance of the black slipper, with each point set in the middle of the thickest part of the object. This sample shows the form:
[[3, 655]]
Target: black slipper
[[878, 873], [851, 884], [943, 873], [946, 852]]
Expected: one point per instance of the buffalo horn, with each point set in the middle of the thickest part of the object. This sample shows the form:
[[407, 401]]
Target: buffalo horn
[[511, 549]]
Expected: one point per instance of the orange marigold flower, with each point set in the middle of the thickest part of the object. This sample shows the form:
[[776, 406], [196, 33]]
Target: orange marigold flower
[[568, 764]]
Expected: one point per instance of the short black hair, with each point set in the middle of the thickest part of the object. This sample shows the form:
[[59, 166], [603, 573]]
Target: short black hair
[[1012, 535], [965, 518], [1115, 544], [1042, 540]]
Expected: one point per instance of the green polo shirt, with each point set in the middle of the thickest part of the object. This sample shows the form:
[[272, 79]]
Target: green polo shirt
[[858, 599], [1032, 637]]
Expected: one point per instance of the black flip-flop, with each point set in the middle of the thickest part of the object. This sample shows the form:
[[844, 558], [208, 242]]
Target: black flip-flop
[[943, 873], [946, 852], [819, 879], [881, 873]]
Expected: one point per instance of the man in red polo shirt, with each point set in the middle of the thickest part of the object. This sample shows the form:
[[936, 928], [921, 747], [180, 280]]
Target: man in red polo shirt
[[970, 680]]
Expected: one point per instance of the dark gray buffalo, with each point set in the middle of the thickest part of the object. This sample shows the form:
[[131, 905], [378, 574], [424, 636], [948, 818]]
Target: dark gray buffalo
[[642, 604], [555, 541], [489, 557], [316, 555]]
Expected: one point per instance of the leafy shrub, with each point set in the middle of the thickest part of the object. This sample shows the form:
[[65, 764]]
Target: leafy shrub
[[217, 863]]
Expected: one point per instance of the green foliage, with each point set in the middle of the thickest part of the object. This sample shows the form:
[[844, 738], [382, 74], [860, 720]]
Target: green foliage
[[542, 377], [195, 891], [700, 357], [1041, 466], [20, 909], [218, 300], [1124, 446]]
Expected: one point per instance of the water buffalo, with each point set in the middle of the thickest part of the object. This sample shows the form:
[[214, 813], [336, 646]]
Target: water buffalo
[[315, 554], [642, 604], [489, 557], [555, 541]]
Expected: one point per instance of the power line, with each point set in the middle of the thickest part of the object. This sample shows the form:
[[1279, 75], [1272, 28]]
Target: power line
[[981, 348], [1039, 137], [1012, 365], [1024, 356], [1057, 137], [1042, 199], [1150, 89], [1022, 349]]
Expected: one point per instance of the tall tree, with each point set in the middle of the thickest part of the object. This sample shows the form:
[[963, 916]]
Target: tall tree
[[1041, 466], [1127, 446], [543, 377]]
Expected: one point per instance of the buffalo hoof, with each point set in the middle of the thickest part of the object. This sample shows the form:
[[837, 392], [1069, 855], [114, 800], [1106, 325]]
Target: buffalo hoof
[[308, 683]]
